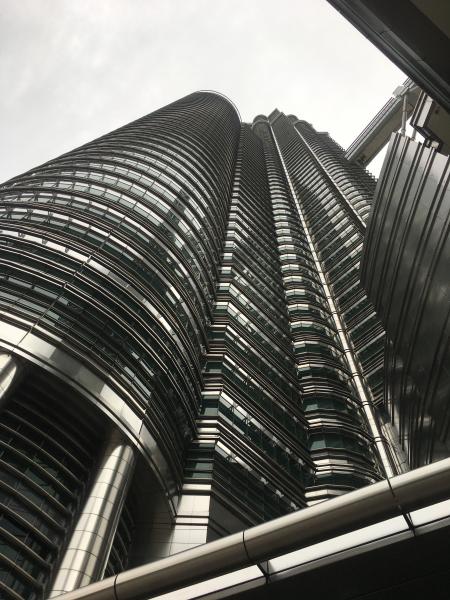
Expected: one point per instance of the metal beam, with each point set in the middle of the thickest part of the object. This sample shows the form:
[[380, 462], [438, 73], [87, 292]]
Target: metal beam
[[387, 120], [323, 521]]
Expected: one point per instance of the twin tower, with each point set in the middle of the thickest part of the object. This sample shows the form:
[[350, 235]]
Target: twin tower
[[186, 347]]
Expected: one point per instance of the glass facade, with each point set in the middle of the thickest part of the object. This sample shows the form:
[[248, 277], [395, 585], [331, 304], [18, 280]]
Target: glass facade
[[340, 443], [47, 452], [111, 253], [257, 459], [190, 281]]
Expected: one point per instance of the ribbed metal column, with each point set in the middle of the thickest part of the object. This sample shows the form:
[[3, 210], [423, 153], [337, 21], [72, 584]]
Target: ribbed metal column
[[10, 371], [89, 547]]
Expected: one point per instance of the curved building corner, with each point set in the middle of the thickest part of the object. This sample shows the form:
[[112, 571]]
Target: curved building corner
[[109, 261]]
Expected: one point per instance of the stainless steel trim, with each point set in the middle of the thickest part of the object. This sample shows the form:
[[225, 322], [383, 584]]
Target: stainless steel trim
[[10, 372], [88, 551], [404, 271], [366, 506], [23, 343], [377, 132], [379, 439], [360, 221]]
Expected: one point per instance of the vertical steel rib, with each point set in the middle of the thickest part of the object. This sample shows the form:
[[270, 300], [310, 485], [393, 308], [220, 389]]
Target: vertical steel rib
[[379, 440]]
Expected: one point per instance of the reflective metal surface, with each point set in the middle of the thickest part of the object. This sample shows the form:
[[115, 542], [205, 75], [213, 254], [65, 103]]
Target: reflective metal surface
[[377, 133], [251, 446], [10, 372], [378, 562], [359, 211], [196, 279], [109, 265], [413, 34], [405, 271], [381, 501], [380, 442], [95, 390], [88, 550], [432, 122], [320, 203], [49, 438]]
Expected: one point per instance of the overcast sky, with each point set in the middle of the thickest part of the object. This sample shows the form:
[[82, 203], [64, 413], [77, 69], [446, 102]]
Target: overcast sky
[[71, 70]]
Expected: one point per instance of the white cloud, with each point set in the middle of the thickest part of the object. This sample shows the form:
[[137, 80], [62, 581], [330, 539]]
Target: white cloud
[[73, 70]]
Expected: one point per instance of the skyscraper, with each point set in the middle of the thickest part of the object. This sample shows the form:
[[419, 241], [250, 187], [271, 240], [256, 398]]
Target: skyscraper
[[187, 350]]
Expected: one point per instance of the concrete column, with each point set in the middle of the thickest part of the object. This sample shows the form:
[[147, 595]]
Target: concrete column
[[88, 551]]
